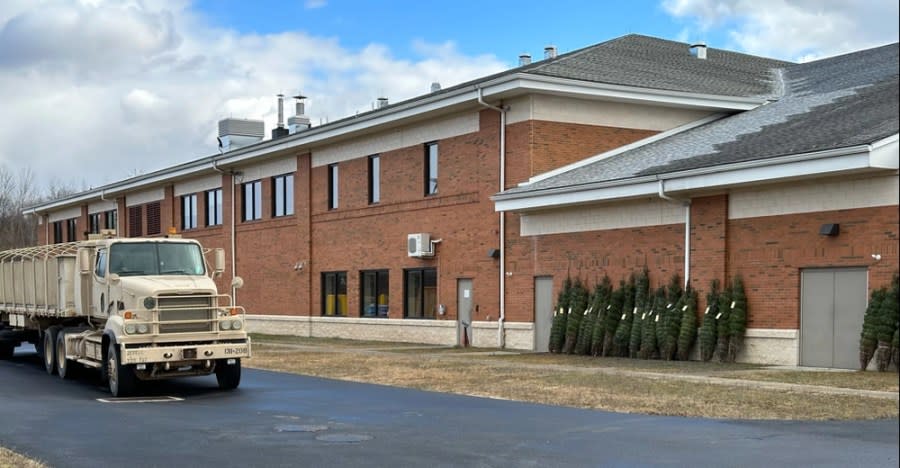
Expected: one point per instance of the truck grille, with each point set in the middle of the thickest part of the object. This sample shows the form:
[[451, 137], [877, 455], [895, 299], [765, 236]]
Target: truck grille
[[190, 314]]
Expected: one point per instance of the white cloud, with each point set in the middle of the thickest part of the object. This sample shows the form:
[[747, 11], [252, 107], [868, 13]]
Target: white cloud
[[799, 30], [96, 90]]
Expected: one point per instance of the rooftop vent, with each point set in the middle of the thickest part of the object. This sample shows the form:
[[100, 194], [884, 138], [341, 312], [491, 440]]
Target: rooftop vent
[[382, 102], [280, 131], [237, 133], [524, 59], [299, 121], [550, 52], [699, 50], [435, 87]]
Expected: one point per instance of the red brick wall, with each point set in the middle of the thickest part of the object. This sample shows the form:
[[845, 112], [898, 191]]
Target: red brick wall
[[709, 244], [770, 251]]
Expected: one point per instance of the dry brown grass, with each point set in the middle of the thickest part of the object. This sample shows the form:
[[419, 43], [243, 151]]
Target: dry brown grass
[[878, 381], [569, 385], [10, 459]]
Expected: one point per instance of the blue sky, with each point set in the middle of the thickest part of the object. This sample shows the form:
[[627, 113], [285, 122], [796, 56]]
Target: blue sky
[[95, 91]]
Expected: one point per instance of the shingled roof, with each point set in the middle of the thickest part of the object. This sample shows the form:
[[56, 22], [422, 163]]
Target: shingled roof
[[833, 103]]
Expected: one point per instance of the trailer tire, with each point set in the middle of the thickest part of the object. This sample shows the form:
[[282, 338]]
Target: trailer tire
[[49, 349], [228, 375], [122, 381], [66, 368]]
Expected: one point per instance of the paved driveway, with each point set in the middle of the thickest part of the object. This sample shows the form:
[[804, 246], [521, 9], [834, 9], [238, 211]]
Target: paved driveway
[[277, 419]]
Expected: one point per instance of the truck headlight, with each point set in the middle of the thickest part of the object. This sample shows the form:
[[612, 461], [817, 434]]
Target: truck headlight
[[149, 303], [130, 328], [225, 324], [236, 324], [142, 328]]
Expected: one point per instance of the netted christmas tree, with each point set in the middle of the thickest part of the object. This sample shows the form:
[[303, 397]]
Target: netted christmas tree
[[722, 317], [560, 316], [737, 318], [868, 339], [884, 331], [579, 304], [649, 344], [589, 321], [623, 329], [687, 336], [708, 326], [641, 298], [612, 317], [599, 301], [669, 324]]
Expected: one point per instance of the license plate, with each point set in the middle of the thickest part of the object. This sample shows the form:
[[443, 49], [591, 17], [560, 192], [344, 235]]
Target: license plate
[[190, 353]]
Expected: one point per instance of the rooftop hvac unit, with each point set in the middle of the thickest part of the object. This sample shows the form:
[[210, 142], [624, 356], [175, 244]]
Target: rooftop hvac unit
[[419, 245]]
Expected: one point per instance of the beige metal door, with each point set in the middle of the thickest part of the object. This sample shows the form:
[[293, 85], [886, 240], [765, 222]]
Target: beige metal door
[[464, 311], [832, 306], [543, 312]]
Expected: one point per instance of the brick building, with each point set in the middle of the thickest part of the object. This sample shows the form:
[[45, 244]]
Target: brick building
[[465, 208]]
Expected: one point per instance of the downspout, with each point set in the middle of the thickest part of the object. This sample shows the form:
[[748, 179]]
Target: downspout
[[215, 166], [501, 335], [687, 229]]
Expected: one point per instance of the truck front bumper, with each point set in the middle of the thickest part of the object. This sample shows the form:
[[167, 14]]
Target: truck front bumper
[[182, 353]]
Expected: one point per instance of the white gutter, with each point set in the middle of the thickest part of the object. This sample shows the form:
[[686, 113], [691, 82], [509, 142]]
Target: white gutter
[[687, 228], [501, 335]]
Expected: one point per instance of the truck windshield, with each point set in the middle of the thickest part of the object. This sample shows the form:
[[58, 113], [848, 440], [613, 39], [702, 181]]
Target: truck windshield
[[155, 258]]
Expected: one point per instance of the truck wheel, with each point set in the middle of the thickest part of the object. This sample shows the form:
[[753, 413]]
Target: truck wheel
[[122, 381], [228, 375], [49, 347], [66, 368]]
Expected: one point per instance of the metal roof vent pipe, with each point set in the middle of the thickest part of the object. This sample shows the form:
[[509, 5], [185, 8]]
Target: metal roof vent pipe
[[382, 102], [699, 50], [550, 52], [299, 121], [435, 87], [524, 59], [280, 131]]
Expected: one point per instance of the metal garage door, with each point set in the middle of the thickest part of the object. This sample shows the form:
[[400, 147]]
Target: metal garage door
[[832, 306]]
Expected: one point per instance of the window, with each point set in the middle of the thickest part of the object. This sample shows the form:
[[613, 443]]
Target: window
[[57, 232], [112, 220], [334, 294], [374, 178], [154, 223], [71, 235], [100, 270], [332, 186], [189, 211], [374, 300], [156, 258], [94, 222], [431, 168], [214, 207], [252, 200], [135, 223], [420, 286], [283, 195]]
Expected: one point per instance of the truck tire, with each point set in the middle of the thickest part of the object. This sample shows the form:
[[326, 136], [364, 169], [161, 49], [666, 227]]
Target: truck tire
[[228, 375], [66, 368], [49, 346], [122, 381]]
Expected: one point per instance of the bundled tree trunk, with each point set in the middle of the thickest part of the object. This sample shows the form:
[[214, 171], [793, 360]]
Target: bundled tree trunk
[[886, 325], [579, 301], [688, 333], [722, 325], [709, 326], [737, 319], [560, 316], [623, 329], [611, 318], [600, 301], [649, 343], [585, 330], [868, 339], [641, 297]]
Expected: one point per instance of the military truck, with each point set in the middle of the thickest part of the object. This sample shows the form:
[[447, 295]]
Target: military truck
[[136, 309]]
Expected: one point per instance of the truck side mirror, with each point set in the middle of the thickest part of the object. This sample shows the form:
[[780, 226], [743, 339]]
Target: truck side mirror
[[84, 260], [219, 266]]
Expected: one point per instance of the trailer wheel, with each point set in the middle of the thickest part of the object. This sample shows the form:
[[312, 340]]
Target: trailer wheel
[[49, 347], [66, 368], [122, 381], [228, 375]]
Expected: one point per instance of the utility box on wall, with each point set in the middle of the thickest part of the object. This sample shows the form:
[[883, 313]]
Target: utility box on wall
[[419, 245]]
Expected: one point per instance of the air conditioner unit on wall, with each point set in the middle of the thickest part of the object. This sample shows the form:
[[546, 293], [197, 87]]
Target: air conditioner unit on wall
[[419, 245]]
